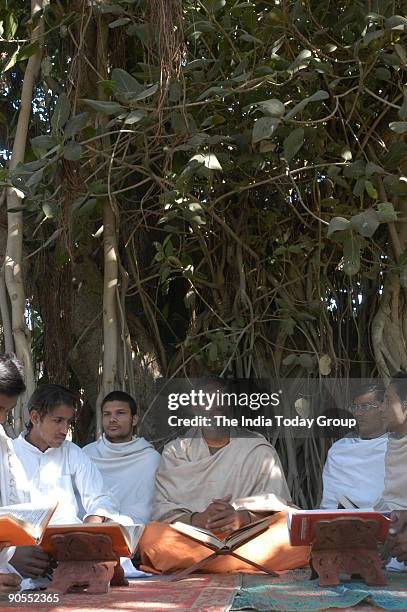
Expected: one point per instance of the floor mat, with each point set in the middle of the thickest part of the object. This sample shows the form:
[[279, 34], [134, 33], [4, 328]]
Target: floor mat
[[298, 595], [201, 593]]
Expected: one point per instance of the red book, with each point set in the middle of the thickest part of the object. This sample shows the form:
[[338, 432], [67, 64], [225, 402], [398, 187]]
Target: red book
[[301, 522]]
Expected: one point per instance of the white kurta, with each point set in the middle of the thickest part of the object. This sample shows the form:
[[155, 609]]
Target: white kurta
[[11, 474], [54, 475], [128, 470], [355, 468]]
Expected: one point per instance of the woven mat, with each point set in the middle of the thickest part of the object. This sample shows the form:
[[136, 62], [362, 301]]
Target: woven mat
[[203, 593], [295, 595]]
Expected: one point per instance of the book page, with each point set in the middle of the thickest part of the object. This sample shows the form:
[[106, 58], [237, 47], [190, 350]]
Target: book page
[[34, 518], [196, 533], [268, 502], [133, 534], [245, 532]]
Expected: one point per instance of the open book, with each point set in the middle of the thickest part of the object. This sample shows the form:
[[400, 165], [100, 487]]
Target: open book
[[124, 539], [236, 539], [301, 522], [267, 502], [24, 524]]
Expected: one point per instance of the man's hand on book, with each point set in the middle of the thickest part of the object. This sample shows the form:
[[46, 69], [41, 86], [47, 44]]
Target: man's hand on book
[[396, 543], [30, 561], [9, 583], [93, 518], [225, 519]]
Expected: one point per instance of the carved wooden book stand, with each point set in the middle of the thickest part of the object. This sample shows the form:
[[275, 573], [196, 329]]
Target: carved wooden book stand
[[346, 546], [86, 563]]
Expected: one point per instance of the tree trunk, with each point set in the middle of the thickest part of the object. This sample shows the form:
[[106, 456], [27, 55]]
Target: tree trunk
[[13, 260], [111, 255]]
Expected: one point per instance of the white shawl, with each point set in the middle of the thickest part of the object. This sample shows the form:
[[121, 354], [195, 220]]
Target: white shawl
[[189, 477], [128, 470]]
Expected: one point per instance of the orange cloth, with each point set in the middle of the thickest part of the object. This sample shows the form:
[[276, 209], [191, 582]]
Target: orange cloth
[[164, 550]]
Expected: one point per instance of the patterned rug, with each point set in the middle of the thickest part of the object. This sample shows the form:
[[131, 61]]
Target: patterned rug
[[201, 593], [299, 595]]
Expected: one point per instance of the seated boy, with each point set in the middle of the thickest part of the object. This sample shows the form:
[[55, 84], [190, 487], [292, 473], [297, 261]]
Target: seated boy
[[54, 468]]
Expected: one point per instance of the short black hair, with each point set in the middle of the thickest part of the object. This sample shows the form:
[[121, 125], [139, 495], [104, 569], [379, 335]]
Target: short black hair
[[48, 397], [121, 396], [372, 386], [399, 381], [11, 375]]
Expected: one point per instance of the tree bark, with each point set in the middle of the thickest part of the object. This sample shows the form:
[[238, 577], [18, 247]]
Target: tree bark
[[13, 260]]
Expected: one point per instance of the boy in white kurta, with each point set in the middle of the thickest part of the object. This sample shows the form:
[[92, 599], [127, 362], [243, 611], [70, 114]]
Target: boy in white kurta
[[55, 468], [127, 463]]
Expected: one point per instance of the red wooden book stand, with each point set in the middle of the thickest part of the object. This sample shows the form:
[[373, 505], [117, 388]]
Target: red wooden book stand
[[86, 563], [346, 546]]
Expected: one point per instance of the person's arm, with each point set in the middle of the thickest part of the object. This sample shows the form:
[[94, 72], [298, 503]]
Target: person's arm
[[396, 543], [140, 505], [97, 504], [329, 495]]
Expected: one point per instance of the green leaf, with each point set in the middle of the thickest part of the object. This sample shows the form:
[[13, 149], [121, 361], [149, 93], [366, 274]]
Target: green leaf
[[386, 212], [306, 361], [355, 170], [273, 107], [372, 168], [43, 142], [209, 160], [290, 360], [119, 22], [351, 254], [338, 224], [325, 365], [146, 93], [105, 107], [316, 97], [28, 51], [371, 190], [110, 9], [264, 128], [396, 22], [365, 223], [49, 211], [293, 143], [395, 155], [130, 87], [11, 25], [76, 124], [214, 5], [125, 82], [400, 127], [12, 60], [72, 151], [135, 117], [61, 112]]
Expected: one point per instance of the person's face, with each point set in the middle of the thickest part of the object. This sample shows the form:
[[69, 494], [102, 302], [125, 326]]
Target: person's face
[[117, 421], [6, 404], [51, 430], [393, 413], [367, 410]]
